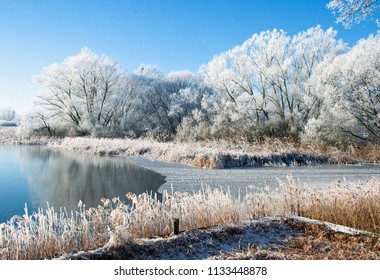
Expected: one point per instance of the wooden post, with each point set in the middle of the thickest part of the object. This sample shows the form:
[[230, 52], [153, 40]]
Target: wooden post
[[176, 226]]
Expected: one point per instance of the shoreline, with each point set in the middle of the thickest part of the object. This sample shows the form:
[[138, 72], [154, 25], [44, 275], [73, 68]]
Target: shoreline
[[213, 154]]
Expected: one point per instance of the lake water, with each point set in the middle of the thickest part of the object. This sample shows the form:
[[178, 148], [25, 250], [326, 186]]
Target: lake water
[[35, 175]]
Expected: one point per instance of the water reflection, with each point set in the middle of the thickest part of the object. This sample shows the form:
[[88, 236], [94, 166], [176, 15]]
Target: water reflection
[[62, 179]]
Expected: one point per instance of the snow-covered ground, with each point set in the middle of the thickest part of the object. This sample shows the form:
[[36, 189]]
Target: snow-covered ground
[[275, 237]]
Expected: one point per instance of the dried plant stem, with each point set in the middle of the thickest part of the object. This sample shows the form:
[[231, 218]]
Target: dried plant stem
[[49, 233]]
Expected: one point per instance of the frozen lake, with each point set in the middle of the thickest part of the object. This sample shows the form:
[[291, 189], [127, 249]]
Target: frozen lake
[[35, 175], [182, 178]]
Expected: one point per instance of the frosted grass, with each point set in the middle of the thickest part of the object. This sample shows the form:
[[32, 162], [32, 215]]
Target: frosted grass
[[216, 154], [50, 233]]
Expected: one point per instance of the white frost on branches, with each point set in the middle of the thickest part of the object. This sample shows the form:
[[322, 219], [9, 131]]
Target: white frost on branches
[[269, 77], [305, 87], [351, 92], [350, 12]]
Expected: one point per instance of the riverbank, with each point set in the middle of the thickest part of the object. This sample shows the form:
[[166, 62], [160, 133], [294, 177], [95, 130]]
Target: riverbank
[[200, 154], [214, 154], [220, 154]]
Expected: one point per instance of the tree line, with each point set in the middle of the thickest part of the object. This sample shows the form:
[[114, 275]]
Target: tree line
[[304, 87]]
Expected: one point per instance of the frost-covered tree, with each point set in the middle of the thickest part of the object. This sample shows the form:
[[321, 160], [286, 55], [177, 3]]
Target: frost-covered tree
[[87, 91], [166, 100], [351, 88], [270, 76], [154, 100], [350, 12], [187, 90], [42, 122], [91, 94], [273, 85]]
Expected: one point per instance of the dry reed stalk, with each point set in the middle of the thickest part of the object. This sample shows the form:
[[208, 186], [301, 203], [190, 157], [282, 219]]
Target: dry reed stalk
[[51, 233]]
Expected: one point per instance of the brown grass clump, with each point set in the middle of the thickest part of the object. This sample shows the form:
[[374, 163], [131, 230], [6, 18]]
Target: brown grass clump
[[356, 207], [205, 161], [317, 242], [371, 153]]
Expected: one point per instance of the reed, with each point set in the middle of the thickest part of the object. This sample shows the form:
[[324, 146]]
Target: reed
[[353, 206], [48, 233]]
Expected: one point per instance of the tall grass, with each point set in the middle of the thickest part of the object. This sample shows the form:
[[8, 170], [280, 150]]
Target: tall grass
[[49, 233], [352, 206]]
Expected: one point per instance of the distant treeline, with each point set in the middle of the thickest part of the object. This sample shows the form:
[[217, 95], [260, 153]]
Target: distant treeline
[[309, 87]]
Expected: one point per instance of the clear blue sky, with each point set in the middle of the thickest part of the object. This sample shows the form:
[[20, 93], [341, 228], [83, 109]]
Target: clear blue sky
[[173, 34]]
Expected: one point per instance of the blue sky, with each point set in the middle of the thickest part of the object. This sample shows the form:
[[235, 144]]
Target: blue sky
[[173, 34]]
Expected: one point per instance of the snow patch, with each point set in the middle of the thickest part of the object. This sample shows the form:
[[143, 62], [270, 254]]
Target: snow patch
[[263, 234]]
